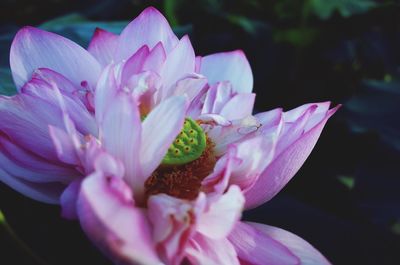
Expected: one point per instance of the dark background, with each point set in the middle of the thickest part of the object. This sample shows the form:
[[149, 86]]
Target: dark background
[[345, 200]]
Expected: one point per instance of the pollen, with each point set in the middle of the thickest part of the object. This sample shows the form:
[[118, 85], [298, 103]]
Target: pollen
[[182, 181]]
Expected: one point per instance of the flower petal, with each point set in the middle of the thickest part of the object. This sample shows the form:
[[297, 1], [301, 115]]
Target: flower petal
[[149, 28], [106, 90], [44, 192], [159, 129], [222, 214], [69, 198], [203, 250], [109, 217], [29, 129], [34, 48], [173, 222], [257, 248], [134, 64], [228, 66], [103, 46], [120, 135], [307, 254], [66, 150], [231, 111], [285, 165], [180, 62], [254, 154]]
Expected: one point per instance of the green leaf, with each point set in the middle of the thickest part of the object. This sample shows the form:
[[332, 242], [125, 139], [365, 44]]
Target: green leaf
[[2, 218], [324, 9], [297, 36], [347, 181], [249, 25], [7, 86], [396, 228]]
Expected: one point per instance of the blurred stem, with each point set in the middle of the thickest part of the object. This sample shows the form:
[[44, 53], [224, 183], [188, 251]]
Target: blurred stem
[[299, 54], [170, 7], [5, 227]]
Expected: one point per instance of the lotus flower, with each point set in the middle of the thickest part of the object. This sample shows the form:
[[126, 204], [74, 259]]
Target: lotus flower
[[155, 151]]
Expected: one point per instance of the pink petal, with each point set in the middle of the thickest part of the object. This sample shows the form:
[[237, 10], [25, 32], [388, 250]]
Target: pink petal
[[44, 192], [253, 154], [38, 89], [173, 222], [110, 219], [191, 85], [120, 135], [160, 128], [69, 198], [50, 76], [103, 46], [217, 182], [134, 64], [307, 254], [293, 130], [149, 28], [228, 66], [180, 62], [270, 118], [156, 59], [66, 150], [106, 91], [30, 167], [30, 129], [222, 214], [231, 111], [203, 250], [217, 96], [257, 248], [233, 132], [284, 166], [34, 48]]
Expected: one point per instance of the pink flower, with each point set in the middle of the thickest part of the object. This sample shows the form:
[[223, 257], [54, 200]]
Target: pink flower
[[154, 150]]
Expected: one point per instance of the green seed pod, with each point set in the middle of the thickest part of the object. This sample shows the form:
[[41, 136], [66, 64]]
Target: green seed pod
[[188, 145]]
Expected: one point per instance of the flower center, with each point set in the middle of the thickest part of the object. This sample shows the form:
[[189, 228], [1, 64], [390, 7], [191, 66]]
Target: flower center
[[188, 161], [188, 145]]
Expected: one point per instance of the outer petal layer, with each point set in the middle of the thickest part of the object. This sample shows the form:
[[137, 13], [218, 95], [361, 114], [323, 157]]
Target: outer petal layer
[[285, 165], [108, 216], [34, 48], [305, 252], [149, 28], [257, 248], [103, 46]]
